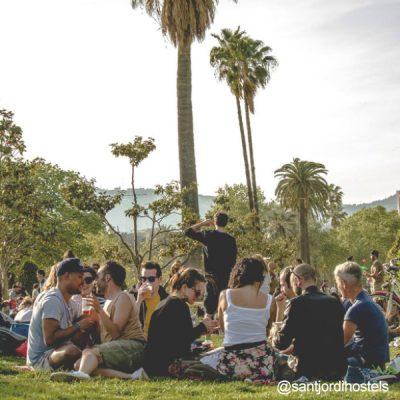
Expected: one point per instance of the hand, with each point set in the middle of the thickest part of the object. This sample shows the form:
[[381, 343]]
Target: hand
[[86, 324], [210, 324], [208, 222], [280, 300], [94, 303]]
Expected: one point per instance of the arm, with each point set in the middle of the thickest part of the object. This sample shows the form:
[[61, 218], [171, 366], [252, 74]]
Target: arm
[[288, 329], [52, 334], [194, 231], [349, 327], [221, 308], [115, 326]]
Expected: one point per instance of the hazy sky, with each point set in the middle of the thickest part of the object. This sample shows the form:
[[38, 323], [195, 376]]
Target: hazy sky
[[82, 74]]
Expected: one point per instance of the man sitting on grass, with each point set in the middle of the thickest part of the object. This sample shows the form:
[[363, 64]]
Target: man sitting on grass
[[365, 330], [122, 347], [52, 329]]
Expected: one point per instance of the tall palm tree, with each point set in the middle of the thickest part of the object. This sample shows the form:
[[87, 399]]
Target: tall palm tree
[[224, 59], [245, 64], [303, 189], [184, 21], [256, 66]]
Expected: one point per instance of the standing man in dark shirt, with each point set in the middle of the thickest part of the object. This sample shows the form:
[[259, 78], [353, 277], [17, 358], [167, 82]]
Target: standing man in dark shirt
[[219, 256]]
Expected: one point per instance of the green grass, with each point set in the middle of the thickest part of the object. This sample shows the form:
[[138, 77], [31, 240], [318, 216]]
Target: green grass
[[37, 386]]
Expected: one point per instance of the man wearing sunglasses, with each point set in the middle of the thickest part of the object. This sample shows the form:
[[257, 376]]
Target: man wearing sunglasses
[[150, 293]]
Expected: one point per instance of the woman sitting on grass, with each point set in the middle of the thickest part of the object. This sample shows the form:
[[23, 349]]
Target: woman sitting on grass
[[171, 330], [243, 313]]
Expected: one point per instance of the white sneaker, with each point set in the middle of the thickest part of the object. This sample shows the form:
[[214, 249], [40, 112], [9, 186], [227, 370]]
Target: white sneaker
[[73, 376], [140, 374]]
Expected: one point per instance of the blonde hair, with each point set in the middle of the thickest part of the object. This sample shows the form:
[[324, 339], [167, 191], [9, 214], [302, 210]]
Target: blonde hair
[[51, 280]]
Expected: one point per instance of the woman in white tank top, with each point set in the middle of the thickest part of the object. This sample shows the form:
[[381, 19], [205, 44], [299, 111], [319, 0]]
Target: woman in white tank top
[[243, 313]]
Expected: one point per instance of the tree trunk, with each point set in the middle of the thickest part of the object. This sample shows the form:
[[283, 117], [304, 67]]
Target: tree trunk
[[137, 258], [187, 159], [252, 165], [4, 281], [304, 240], [245, 158]]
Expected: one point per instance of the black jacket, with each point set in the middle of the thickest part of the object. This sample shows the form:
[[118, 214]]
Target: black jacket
[[314, 321], [170, 336]]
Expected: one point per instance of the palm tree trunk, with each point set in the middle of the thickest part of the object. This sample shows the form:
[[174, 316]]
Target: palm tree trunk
[[245, 158], [304, 240], [187, 160], [253, 168]]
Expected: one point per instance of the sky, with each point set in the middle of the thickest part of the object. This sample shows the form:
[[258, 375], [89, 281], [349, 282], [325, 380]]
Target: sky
[[82, 74]]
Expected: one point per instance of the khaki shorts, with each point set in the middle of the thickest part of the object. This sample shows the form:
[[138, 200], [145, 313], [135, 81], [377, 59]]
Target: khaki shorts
[[122, 355]]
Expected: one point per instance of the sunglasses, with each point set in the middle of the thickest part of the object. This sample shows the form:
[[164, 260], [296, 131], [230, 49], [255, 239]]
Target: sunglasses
[[151, 279], [88, 280]]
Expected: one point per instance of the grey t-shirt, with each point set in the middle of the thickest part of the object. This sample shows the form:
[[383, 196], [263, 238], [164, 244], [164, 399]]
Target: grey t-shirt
[[48, 305]]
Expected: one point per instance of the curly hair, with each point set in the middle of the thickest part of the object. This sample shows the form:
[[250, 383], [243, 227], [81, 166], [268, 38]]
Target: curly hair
[[247, 271]]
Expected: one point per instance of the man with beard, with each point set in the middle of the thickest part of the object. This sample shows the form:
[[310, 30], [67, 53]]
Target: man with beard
[[122, 342], [312, 322], [52, 327]]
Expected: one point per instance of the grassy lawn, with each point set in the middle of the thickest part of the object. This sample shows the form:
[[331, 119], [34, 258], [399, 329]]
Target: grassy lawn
[[34, 385]]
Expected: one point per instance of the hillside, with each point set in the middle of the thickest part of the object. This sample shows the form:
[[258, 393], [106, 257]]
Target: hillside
[[146, 196]]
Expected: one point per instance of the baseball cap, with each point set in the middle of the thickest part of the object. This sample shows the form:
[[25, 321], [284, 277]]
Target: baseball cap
[[69, 265]]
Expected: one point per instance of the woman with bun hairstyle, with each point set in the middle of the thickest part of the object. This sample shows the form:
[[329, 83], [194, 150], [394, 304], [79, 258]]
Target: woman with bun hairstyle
[[171, 330], [243, 313]]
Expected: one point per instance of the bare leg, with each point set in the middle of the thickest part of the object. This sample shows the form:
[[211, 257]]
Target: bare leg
[[91, 359], [64, 356], [111, 373]]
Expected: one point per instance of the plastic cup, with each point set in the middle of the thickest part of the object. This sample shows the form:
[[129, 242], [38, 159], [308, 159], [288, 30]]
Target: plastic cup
[[86, 308]]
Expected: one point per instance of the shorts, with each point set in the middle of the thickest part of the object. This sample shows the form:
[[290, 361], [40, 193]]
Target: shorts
[[43, 363], [122, 355]]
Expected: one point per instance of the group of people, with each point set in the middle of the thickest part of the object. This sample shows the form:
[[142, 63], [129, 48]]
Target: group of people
[[274, 325]]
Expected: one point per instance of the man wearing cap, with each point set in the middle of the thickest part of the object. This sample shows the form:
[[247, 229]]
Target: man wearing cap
[[52, 326]]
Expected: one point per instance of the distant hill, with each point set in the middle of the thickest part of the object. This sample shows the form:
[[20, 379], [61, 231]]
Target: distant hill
[[390, 203], [145, 196]]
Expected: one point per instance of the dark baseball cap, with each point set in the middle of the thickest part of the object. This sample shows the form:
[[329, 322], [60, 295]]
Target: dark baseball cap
[[69, 265]]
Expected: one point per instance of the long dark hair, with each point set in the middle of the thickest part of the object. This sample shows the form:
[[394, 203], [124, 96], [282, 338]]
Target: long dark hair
[[247, 271]]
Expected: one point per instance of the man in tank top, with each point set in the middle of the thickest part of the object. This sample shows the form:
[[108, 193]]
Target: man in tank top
[[122, 348]]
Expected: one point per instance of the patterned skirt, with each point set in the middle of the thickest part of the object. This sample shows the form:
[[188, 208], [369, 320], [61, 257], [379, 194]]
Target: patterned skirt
[[256, 364]]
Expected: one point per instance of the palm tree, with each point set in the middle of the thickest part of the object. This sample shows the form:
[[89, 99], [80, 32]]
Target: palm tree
[[335, 212], [223, 58], [184, 21], [303, 189], [256, 67], [245, 64]]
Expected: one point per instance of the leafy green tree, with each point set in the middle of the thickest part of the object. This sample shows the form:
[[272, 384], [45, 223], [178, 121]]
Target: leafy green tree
[[245, 64], [269, 240], [183, 22], [368, 229], [303, 189], [335, 213]]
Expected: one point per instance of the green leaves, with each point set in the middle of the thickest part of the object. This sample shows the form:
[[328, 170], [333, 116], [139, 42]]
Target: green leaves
[[11, 143], [136, 151]]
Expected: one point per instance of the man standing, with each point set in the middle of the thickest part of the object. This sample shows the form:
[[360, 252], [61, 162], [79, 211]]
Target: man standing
[[376, 274], [312, 322], [219, 256], [122, 342], [364, 321], [150, 293], [40, 276], [52, 328]]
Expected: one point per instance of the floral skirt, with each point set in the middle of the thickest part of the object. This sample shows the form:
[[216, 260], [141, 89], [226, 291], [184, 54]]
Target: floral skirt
[[256, 364]]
